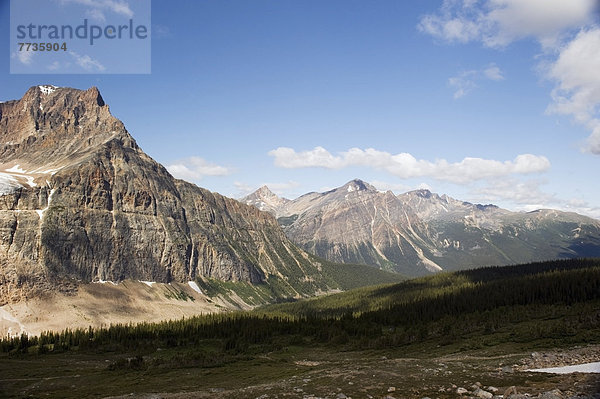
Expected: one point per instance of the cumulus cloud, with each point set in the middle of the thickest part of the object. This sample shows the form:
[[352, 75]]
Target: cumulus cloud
[[195, 168], [492, 72], [497, 23], [567, 31], [88, 63], [98, 7], [528, 196], [404, 165], [24, 57], [527, 193], [577, 91], [466, 81]]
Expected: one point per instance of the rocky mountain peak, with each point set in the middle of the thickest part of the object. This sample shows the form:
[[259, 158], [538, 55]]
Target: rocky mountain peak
[[265, 200], [81, 202], [264, 191], [423, 193], [50, 127], [357, 185]]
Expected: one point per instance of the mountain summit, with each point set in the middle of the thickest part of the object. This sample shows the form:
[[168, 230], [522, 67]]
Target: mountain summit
[[420, 232], [81, 202], [265, 200]]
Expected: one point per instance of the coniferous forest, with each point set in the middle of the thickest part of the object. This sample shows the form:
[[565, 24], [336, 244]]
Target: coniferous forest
[[557, 301]]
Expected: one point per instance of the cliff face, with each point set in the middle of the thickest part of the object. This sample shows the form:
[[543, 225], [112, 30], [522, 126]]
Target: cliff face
[[80, 201]]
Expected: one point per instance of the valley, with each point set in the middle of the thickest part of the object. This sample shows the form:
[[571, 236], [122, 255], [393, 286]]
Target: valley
[[119, 280], [423, 338]]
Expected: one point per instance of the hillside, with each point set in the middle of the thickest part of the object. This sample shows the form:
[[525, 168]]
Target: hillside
[[461, 327]]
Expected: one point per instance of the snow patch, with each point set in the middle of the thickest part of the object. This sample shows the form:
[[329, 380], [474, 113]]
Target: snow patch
[[8, 184], [30, 181], [148, 283], [577, 368], [17, 169], [195, 287], [104, 282], [48, 89], [46, 171], [40, 212], [351, 188]]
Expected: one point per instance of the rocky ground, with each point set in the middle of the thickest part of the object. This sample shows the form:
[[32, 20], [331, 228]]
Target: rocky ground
[[454, 376]]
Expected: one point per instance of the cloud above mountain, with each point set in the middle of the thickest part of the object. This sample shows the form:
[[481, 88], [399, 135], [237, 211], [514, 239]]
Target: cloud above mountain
[[567, 31], [195, 168], [405, 165]]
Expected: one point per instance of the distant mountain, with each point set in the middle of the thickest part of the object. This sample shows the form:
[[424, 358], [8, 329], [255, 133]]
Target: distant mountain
[[81, 202], [419, 232], [265, 200]]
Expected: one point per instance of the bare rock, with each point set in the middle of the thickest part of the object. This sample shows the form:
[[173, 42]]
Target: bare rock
[[480, 393]]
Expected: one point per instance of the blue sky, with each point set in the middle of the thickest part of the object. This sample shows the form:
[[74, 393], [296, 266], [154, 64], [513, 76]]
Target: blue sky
[[486, 101]]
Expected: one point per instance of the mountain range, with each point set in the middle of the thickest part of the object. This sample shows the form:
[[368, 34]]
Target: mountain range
[[81, 202], [419, 232]]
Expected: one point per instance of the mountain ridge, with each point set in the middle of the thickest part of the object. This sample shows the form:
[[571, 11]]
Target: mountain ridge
[[419, 231]]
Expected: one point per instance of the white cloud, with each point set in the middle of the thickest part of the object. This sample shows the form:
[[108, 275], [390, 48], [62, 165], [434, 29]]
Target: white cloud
[[406, 166], [528, 196], [88, 63], [466, 81], [195, 168], [96, 14], [54, 66], [567, 31], [497, 23], [577, 91], [492, 72], [463, 83], [97, 7], [24, 57], [525, 193]]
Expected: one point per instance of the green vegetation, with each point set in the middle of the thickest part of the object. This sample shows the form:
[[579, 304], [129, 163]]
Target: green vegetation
[[562, 297], [328, 278], [540, 305]]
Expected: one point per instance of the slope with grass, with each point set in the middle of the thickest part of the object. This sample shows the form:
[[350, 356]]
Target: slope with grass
[[433, 332]]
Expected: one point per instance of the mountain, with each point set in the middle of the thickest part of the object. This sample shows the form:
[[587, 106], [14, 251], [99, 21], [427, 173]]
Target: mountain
[[81, 202], [419, 232], [265, 200]]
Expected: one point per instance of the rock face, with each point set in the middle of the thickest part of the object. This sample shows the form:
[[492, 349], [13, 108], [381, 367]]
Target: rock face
[[420, 232], [80, 201]]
